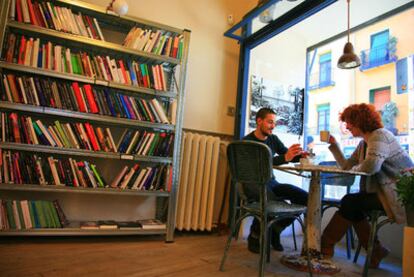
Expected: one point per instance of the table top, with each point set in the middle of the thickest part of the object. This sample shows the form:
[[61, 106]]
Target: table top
[[320, 168]]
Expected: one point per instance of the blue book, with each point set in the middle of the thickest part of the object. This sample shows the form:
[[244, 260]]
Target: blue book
[[108, 100], [132, 73], [124, 105], [33, 210], [125, 141], [40, 57]]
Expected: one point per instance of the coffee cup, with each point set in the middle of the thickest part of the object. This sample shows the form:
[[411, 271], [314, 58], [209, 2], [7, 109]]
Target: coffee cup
[[324, 136]]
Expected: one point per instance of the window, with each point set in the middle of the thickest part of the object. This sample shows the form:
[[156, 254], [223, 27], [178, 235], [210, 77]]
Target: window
[[323, 117], [379, 47], [325, 70], [379, 97]]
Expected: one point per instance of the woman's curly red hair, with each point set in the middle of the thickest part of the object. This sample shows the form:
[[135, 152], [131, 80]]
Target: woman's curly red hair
[[363, 116]]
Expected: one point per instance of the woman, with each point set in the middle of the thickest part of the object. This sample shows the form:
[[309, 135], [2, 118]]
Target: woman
[[380, 156]]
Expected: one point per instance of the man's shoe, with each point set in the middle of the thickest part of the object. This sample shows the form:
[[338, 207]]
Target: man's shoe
[[253, 244]]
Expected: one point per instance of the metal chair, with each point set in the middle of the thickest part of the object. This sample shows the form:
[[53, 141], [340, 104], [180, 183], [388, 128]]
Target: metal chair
[[251, 165], [328, 179], [376, 224]]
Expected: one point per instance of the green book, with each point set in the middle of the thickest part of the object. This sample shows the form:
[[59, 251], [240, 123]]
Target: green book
[[98, 178], [10, 217], [20, 212], [54, 215], [33, 215], [48, 213], [75, 66], [62, 134], [38, 207], [153, 144]]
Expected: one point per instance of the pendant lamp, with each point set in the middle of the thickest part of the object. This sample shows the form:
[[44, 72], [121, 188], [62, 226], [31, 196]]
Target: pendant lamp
[[348, 60]]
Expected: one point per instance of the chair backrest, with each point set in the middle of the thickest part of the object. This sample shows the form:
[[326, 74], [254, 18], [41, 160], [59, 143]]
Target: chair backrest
[[250, 162]]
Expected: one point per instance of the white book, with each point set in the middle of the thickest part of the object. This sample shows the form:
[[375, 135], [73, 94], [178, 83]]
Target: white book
[[12, 13], [75, 176], [127, 178], [34, 91], [111, 139], [121, 76], [45, 132], [118, 178], [129, 37], [84, 136], [145, 138], [69, 60], [103, 70], [57, 62], [39, 168], [132, 142], [113, 69], [148, 144], [32, 132], [53, 169], [98, 28], [136, 38], [75, 25], [141, 175], [54, 19], [54, 136], [26, 214], [20, 82], [90, 174], [81, 25], [160, 111], [147, 174], [64, 23], [93, 74]]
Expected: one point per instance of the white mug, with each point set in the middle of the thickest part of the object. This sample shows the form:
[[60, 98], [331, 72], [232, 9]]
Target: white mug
[[324, 136]]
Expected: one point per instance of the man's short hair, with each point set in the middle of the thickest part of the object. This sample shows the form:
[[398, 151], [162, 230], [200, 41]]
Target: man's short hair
[[263, 112]]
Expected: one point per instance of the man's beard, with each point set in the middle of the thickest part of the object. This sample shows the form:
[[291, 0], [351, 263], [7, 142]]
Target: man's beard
[[266, 132]]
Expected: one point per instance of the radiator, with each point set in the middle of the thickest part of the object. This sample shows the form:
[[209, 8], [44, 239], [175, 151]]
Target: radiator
[[198, 182]]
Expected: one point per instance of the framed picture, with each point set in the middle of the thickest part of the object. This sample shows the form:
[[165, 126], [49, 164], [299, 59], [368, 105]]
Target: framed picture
[[287, 102]]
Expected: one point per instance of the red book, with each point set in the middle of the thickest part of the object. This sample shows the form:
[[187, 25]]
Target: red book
[[91, 27], [91, 100], [175, 47], [18, 180], [19, 10], [121, 65], [40, 19], [22, 49], [25, 131], [79, 98], [15, 126], [92, 137], [33, 18]]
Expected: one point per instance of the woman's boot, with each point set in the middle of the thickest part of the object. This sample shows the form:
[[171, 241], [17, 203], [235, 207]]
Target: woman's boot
[[333, 233]]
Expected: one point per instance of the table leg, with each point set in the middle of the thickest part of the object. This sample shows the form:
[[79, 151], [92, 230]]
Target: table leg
[[313, 235]]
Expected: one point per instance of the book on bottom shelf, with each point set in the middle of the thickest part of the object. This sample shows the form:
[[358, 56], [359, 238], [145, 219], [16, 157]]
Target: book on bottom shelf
[[152, 224]]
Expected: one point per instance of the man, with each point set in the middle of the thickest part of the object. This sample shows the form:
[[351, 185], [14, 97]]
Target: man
[[266, 122]]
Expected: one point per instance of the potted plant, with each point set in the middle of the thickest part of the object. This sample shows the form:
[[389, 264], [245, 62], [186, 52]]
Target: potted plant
[[405, 191]]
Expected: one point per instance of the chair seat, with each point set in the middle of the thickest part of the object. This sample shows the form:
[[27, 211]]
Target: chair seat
[[277, 207]]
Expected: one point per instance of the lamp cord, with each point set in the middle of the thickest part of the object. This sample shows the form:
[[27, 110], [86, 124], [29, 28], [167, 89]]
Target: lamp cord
[[349, 31]]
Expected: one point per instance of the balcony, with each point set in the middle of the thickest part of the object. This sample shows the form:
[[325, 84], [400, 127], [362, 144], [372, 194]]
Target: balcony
[[319, 80], [381, 55]]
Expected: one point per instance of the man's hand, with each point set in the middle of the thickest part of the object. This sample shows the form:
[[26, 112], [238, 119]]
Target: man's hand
[[292, 152], [332, 140]]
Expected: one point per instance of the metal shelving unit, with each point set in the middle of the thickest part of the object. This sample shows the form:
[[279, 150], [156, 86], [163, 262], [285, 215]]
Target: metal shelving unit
[[65, 189], [127, 22]]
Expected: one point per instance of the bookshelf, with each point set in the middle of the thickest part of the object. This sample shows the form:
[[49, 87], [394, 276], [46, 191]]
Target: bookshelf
[[124, 97]]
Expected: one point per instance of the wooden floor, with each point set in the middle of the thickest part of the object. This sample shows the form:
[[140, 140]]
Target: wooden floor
[[190, 255]]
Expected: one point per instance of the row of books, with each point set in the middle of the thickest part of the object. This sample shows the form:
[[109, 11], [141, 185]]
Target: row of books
[[146, 143], [30, 214], [155, 41], [138, 177], [24, 168], [85, 98], [32, 52], [144, 224], [23, 129], [48, 15]]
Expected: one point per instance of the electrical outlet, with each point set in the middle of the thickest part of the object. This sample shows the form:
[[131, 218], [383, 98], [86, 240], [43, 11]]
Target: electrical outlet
[[230, 19], [231, 111]]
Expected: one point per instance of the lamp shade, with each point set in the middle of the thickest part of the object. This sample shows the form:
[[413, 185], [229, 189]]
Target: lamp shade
[[120, 7], [348, 59]]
